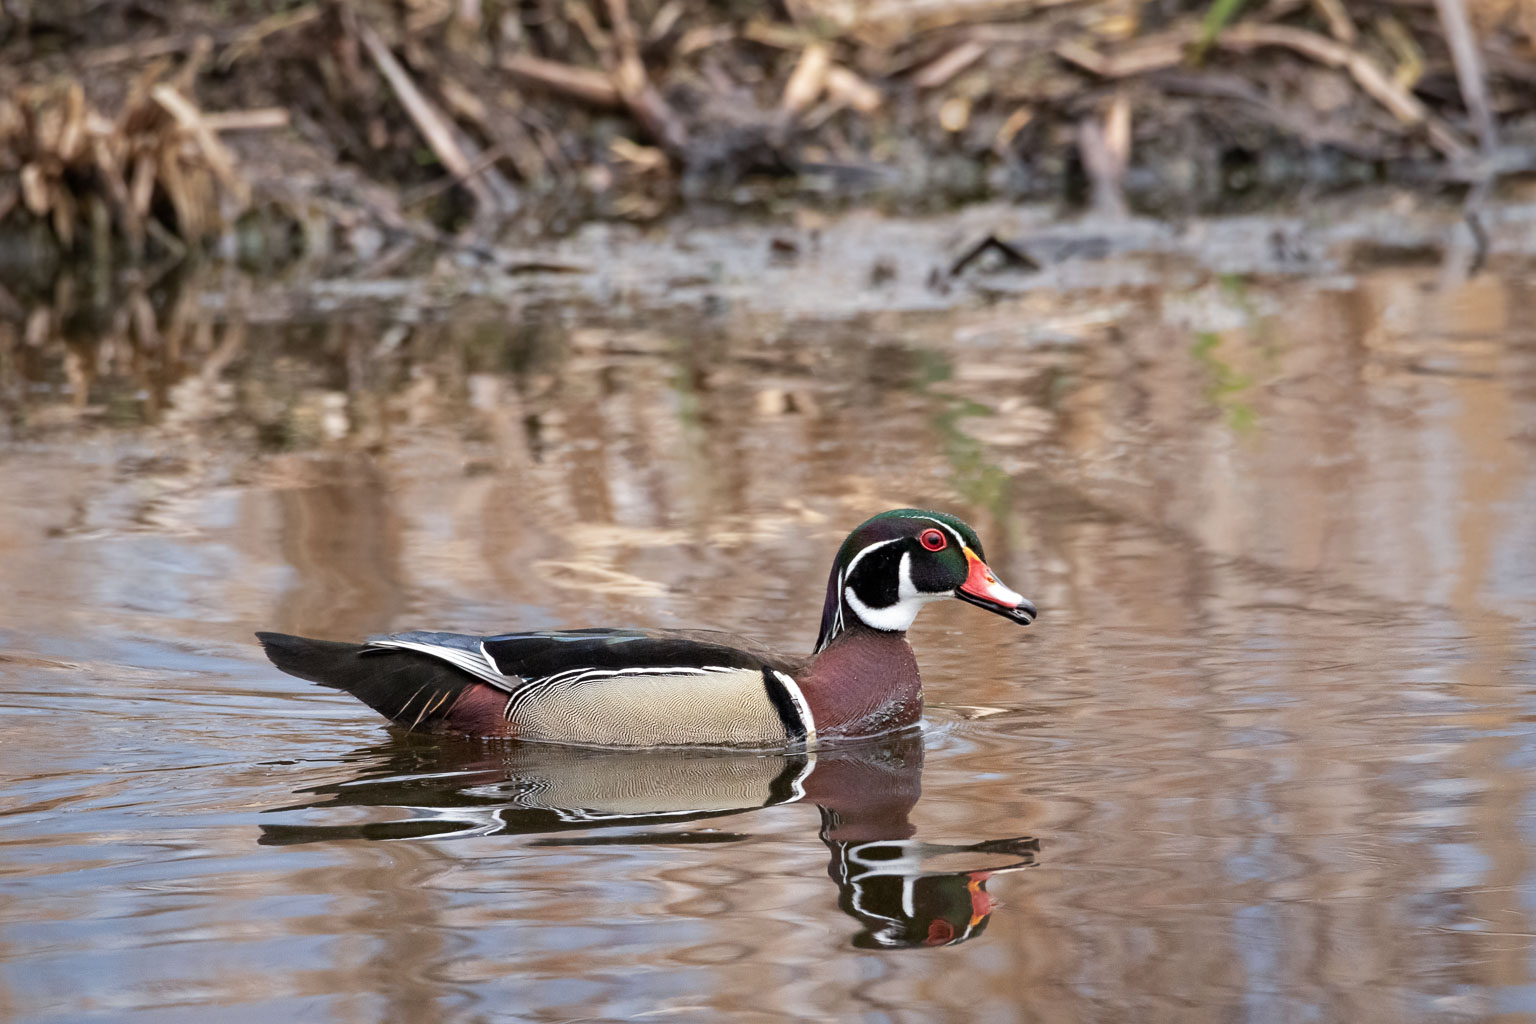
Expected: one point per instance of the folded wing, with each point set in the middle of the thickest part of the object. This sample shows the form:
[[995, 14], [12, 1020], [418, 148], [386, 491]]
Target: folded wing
[[628, 687]]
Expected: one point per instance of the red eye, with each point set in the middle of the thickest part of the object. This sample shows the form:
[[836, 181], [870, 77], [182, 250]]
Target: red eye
[[933, 540]]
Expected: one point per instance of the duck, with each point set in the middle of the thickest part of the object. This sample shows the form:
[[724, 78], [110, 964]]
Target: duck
[[623, 687]]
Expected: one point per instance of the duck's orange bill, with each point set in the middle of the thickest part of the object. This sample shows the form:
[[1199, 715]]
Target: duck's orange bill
[[983, 588]]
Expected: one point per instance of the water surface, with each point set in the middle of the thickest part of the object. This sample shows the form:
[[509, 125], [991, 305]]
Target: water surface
[[1267, 755]]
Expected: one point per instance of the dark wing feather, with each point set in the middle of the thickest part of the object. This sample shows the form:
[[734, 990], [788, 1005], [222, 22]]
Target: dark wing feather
[[540, 655], [411, 688]]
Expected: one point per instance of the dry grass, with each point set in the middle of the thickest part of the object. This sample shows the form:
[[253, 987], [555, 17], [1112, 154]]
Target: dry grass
[[480, 112]]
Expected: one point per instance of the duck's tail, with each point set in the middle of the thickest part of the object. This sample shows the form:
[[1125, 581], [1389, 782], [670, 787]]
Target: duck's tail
[[415, 690]]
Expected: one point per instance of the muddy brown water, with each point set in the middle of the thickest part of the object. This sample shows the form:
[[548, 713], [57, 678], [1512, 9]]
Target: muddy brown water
[[1268, 754]]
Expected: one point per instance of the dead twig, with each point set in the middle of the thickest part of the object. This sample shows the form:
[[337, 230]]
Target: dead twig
[[1153, 53], [884, 20], [249, 40], [1339, 24], [1469, 72], [434, 127], [583, 84], [628, 72], [1106, 154], [257, 119], [940, 72], [850, 90], [498, 122]]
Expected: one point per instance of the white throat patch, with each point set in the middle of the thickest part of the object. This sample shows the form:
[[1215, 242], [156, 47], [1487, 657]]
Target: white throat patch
[[895, 618]]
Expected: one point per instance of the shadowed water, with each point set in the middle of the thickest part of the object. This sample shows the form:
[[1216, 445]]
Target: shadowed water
[[1267, 755]]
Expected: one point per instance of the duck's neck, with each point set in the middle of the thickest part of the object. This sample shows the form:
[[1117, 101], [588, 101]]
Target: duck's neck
[[863, 682]]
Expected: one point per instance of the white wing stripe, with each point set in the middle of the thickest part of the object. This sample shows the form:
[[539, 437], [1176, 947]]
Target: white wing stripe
[[802, 706], [523, 690], [454, 656]]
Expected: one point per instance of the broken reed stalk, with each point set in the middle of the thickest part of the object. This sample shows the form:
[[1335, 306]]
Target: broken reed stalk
[[584, 85], [1469, 72], [434, 127], [219, 159]]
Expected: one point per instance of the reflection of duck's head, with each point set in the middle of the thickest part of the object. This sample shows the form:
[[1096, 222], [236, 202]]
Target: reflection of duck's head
[[897, 889]]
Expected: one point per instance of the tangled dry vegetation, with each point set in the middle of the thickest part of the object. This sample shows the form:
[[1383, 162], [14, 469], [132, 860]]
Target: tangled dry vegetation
[[146, 128]]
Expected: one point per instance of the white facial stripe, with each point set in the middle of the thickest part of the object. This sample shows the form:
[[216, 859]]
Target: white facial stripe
[[945, 527], [848, 572]]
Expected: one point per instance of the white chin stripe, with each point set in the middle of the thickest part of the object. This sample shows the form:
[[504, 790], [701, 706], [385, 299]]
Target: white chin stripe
[[894, 618]]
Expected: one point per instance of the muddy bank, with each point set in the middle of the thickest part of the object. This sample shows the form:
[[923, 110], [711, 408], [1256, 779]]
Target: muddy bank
[[807, 264], [371, 130]]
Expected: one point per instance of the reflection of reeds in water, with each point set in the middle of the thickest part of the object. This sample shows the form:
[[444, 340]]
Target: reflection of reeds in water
[[557, 463]]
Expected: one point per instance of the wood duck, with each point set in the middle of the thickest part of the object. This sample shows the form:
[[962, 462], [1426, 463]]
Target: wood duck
[[652, 687]]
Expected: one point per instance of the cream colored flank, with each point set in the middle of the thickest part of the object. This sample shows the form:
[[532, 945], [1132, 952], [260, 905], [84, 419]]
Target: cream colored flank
[[716, 708]]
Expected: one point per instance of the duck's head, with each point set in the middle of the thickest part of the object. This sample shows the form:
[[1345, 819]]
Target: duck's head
[[900, 560]]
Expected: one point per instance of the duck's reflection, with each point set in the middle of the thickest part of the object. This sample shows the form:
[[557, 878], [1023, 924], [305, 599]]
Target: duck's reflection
[[901, 890]]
